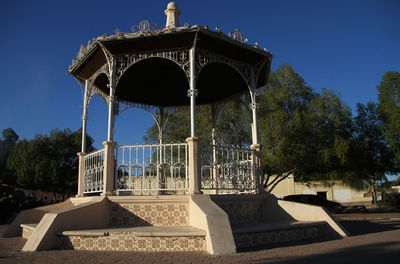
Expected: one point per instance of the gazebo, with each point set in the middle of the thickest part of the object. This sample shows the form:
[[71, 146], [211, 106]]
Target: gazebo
[[156, 69], [168, 197]]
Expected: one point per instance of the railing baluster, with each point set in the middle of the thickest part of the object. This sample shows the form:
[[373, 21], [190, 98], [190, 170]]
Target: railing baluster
[[233, 169], [93, 176]]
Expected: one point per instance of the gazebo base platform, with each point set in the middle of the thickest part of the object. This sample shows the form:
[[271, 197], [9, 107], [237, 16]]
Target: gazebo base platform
[[217, 224]]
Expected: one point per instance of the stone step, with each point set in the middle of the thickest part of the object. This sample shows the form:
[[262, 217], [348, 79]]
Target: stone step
[[264, 234], [143, 238], [27, 229]]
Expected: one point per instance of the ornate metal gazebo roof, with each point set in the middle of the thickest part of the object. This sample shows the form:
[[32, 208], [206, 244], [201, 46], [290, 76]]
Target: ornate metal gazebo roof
[[152, 65]]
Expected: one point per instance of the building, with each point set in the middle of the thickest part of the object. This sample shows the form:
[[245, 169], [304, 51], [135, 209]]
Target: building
[[335, 191]]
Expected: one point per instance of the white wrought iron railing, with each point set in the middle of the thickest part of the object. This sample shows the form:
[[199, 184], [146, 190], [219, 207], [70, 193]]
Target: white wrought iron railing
[[227, 168], [94, 166], [152, 168]]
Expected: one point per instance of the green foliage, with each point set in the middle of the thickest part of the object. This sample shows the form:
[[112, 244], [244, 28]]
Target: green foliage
[[302, 131], [49, 162], [9, 138], [312, 135], [389, 109], [229, 117], [373, 158]]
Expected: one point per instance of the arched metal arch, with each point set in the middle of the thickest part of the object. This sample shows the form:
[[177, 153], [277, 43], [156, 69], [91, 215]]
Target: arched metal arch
[[204, 57], [180, 57], [92, 89]]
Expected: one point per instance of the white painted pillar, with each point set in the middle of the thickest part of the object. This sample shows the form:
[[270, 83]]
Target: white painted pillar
[[84, 117], [109, 145], [193, 141], [109, 168], [81, 155], [253, 105], [192, 93], [111, 99], [81, 174], [194, 165]]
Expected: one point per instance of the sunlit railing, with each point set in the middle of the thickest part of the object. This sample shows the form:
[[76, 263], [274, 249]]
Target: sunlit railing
[[152, 169], [94, 165], [227, 168]]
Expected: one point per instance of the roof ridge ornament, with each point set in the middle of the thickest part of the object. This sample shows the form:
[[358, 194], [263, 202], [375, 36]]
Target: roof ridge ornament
[[144, 27], [237, 35], [172, 12]]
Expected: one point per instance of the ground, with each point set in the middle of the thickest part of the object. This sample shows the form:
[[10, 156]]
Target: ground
[[375, 238]]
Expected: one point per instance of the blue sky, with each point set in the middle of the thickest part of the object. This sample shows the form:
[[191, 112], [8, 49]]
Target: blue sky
[[345, 46]]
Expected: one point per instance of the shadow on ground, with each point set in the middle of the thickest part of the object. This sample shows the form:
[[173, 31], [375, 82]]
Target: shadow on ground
[[375, 253], [361, 227]]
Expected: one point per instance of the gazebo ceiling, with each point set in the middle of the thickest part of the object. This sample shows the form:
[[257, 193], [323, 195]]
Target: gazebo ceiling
[[162, 82]]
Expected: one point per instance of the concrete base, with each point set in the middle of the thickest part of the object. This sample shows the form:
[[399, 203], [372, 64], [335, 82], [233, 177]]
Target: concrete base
[[217, 224], [89, 214]]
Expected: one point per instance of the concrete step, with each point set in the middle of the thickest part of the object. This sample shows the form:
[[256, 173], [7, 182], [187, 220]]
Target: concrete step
[[264, 234], [27, 229], [143, 238]]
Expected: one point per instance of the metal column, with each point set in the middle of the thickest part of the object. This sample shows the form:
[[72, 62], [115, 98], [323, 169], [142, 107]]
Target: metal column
[[84, 117], [110, 134]]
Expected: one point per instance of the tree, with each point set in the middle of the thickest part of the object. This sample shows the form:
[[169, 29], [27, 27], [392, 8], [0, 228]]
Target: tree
[[332, 128], [49, 162], [373, 158], [302, 132], [389, 109], [9, 139], [282, 124], [233, 116]]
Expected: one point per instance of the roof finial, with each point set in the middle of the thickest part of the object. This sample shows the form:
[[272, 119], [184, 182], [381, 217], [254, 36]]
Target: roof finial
[[172, 12]]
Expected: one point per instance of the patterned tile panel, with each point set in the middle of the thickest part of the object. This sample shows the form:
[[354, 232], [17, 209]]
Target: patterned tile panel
[[128, 242], [242, 210], [257, 239], [146, 214]]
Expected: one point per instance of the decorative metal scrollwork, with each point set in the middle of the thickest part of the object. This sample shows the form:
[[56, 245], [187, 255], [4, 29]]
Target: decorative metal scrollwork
[[181, 57], [192, 92], [237, 35], [205, 57], [253, 106], [144, 26]]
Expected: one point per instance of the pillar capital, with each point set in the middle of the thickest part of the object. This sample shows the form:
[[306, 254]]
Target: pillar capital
[[192, 139], [109, 143], [256, 147]]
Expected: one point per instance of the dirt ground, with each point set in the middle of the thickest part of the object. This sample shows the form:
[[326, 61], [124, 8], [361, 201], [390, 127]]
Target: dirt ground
[[375, 238]]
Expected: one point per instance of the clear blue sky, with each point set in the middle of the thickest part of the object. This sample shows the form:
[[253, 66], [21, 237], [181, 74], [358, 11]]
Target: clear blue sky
[[341, 45]]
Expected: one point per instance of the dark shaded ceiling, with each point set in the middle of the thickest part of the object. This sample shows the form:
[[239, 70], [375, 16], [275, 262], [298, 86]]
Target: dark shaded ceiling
[[154, 81], [218, 82]]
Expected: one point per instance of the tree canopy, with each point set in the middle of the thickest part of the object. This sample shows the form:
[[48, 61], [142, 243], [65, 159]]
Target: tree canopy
[[389, 109], [8, 140], [48, 162], [302, 132], [311, 135], [373, 158]]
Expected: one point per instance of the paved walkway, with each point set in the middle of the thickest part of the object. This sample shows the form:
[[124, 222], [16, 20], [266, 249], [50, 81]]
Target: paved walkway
[[375, 239]]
